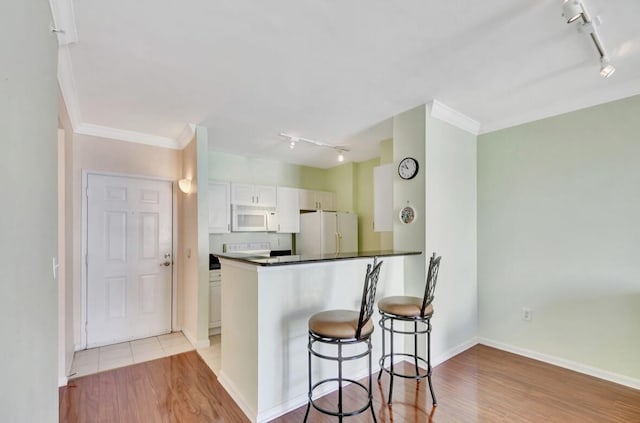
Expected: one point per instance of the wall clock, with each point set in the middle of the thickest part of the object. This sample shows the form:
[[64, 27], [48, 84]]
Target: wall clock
[[408, 168], [407, 215]]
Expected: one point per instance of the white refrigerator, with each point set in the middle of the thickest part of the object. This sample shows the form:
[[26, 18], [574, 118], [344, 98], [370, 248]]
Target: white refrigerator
[[325, 232]]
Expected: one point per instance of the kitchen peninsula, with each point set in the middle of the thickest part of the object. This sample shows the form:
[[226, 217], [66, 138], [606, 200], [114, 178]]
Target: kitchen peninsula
[[266, 303]]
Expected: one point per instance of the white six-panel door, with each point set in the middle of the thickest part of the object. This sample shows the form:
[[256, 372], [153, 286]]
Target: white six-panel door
[[129, 262]]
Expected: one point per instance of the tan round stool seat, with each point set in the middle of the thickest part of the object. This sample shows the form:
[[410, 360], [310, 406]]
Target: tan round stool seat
[[404, 306], [338, 324]]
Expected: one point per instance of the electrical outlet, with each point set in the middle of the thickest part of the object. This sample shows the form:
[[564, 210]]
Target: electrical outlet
[[526, 314]]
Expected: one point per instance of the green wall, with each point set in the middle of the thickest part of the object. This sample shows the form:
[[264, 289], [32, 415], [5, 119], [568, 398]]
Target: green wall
[[342, 181], [558, 232]]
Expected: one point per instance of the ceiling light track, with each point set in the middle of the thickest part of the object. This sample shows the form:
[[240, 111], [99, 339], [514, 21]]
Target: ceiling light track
[[574, 10], [293, 140]]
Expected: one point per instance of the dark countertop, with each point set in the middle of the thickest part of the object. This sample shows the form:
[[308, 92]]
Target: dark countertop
[[301, 259]]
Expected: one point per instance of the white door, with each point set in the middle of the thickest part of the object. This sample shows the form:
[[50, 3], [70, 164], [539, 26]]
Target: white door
[[329, 232], [129, 262], [347, 224]]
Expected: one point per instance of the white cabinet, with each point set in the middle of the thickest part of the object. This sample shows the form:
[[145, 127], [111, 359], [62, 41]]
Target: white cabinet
[[253, 195], [316, 200], [215, 283], [288, 210], [219, 208], [383, 198]]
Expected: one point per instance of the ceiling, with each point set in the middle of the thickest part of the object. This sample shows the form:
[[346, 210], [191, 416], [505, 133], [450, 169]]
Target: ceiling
[[331, 71]]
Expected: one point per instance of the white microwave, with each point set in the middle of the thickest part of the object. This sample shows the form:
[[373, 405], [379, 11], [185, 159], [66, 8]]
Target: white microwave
[[253, 219]]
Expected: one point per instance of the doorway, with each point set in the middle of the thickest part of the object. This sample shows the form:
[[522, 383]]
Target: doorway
[[129, 262]]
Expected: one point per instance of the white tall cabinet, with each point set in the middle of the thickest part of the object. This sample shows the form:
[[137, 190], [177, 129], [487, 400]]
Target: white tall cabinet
[[219, 207], [288, 210]]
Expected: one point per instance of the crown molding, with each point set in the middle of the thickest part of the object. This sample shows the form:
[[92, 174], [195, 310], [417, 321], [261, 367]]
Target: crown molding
[[67, 84], [187, 135], [447, 114], [621, 91], [124, 135]]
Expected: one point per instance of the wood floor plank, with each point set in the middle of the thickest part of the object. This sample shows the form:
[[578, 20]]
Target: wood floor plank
[[481, 384]]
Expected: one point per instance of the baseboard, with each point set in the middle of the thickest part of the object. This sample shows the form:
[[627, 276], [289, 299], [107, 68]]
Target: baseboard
[[452, 352], [196, 344], [567, 364], [62, 381], [300, 400], [237, 398]]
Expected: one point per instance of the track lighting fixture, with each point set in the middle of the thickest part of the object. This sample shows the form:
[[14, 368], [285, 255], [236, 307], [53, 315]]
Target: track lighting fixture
[[574, 10], [571, 10], [606, 68], [293, 140]]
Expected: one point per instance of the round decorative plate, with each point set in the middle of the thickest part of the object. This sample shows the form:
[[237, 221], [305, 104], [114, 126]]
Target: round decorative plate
[[407, 214]]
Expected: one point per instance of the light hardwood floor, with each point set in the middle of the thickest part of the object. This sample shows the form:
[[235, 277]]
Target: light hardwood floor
[[480, 385]]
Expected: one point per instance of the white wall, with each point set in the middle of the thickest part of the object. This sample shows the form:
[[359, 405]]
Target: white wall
[[66, 304], [101, 154], [193, 254], [558, 210], [28, 220], [444, 197], [451, 232]]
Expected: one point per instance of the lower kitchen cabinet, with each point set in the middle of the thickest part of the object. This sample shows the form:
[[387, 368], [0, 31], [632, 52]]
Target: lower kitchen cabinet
[[215, 283]]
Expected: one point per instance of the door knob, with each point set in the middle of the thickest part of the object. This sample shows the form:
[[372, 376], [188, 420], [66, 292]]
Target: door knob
[[166, 263]]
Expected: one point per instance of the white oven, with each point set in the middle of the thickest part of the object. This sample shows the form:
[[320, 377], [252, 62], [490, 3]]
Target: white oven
[[253, 219]]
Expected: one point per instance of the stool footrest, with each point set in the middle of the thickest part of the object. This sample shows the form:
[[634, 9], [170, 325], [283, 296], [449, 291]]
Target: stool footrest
[[419, 376], [336, 413]]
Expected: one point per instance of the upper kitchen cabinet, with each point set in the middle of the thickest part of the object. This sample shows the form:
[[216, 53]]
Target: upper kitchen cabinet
[[253, 195], [287, 210], [219, 208], [316, 200]]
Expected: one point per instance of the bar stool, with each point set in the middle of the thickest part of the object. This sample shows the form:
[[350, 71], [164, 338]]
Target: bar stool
[[412, 310], [342, 328]]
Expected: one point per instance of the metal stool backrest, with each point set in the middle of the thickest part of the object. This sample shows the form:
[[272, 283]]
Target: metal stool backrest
[[430, 286], [368, 295]]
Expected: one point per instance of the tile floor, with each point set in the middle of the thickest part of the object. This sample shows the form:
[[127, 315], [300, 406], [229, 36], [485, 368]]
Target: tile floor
[[95, 360]]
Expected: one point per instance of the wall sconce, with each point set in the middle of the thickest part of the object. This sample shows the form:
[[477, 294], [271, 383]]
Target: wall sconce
[[185, 185]]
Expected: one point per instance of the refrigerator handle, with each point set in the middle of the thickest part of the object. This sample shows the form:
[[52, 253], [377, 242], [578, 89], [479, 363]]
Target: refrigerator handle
[[337, 243]]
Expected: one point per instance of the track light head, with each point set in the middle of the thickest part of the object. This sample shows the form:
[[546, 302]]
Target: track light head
[[572, 10], [606, 68]]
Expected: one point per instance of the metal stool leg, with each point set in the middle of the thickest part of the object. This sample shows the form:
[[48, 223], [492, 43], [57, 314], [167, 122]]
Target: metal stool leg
[[382, 320], [340, 381], [392, 332], [433, 395], [415, 347], [306, 414], [373, 414]]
